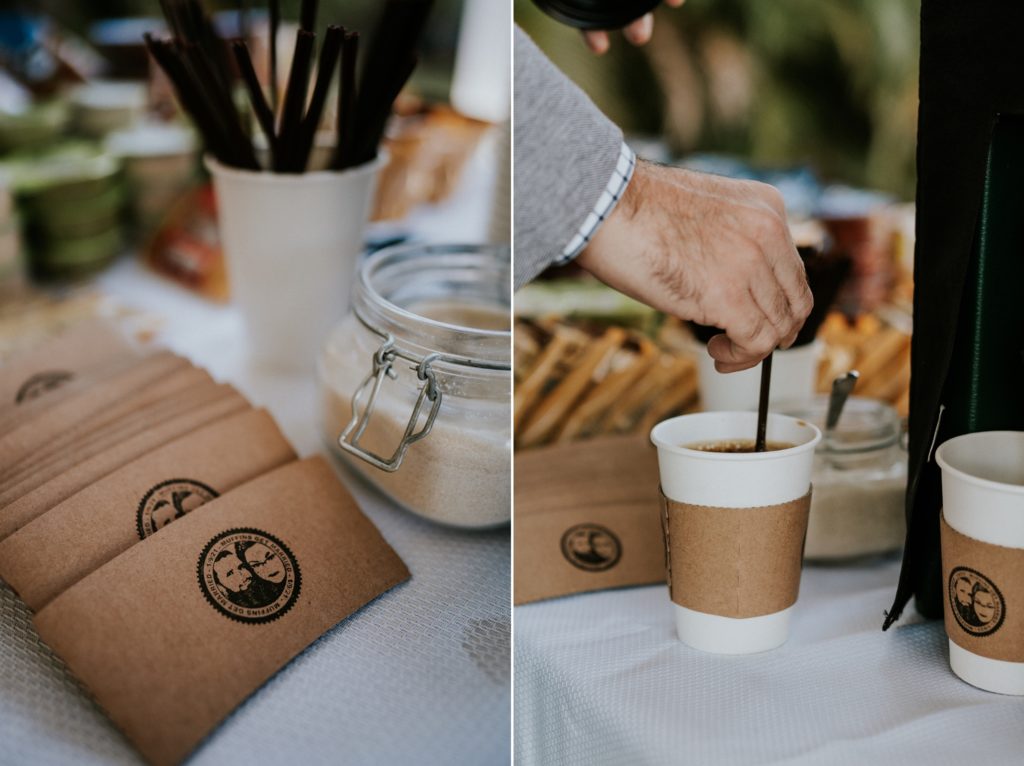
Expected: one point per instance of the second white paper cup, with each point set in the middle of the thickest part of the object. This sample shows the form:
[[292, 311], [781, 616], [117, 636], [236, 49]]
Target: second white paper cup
[[733, 480], [983, 498], [794, 375]]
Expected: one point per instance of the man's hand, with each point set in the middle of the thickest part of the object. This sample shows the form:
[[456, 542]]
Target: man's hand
[[712, 250], [638, 33]]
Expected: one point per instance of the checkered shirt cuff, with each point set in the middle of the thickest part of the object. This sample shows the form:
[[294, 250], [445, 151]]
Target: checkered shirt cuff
[[606, 203]]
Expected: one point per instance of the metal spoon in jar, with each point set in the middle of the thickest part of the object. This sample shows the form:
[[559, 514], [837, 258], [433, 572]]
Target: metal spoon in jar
[[842, 387]]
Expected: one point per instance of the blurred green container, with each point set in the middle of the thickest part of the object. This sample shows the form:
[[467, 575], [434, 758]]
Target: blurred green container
[[72, 198], [79, 217], [35, 128], [79, 257]]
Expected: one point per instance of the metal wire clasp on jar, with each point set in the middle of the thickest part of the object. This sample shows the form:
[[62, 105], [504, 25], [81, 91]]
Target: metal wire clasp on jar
[[426, 352], [383, 363]]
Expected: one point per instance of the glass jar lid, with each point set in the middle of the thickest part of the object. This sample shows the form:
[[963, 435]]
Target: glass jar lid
[[864, 426], [404, 291]]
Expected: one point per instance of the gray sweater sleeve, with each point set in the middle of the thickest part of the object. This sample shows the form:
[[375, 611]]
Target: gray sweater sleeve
[[566, 151]]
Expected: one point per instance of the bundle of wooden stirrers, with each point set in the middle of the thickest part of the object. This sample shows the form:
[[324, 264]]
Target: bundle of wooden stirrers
[[578, 379], [575, 381], [204, 69]]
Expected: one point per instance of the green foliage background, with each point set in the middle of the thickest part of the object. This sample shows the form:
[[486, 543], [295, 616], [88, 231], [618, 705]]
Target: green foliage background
[[832, 83]]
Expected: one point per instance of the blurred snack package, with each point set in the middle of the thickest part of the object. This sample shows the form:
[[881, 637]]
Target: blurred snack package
[[428, 148], [41, 53], [186, 248], [878, 346]]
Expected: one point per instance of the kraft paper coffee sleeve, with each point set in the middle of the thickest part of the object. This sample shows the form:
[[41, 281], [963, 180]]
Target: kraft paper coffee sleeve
[[93, 526], [587, 517], [74, 478], [176, 632], [70, 411], [48, 461], [735, 562], [984, 604], [23, 413], [61, 387], [40, 372], [106, 422]]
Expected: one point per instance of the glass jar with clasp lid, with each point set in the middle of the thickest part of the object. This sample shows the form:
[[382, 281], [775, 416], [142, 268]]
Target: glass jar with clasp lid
[[859, 480], [415, 383]]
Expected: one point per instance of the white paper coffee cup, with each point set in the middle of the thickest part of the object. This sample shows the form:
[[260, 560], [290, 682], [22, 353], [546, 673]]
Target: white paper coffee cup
[[733, 480], [983, 498], [291, 242], [794, 376]]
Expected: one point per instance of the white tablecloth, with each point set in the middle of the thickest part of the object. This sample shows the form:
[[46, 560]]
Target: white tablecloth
[[420, 675], [601, 679]]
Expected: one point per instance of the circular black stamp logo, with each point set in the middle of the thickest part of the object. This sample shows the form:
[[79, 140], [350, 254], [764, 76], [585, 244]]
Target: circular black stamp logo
[[976, 602], [170, 500], [591, 547], [40, 383], [249, 575]]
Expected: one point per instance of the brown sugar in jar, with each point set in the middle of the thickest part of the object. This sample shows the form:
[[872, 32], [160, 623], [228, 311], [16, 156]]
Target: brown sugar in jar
[[447, 307]]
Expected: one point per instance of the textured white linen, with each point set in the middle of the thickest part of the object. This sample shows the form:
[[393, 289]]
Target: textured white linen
[[601, 679]]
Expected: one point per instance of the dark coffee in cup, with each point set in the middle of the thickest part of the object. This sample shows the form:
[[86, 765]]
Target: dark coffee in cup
[[737, 445]]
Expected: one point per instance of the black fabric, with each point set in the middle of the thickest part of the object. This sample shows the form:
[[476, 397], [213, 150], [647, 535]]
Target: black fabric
[[968, 344], [596, 14]]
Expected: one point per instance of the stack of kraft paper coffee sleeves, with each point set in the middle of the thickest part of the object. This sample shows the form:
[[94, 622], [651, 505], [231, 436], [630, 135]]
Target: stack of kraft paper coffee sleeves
[[102, 447]]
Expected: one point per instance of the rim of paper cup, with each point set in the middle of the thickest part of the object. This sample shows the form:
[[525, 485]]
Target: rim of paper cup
[[816, 344], [970, 478], [777, 454], [217, 168]]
